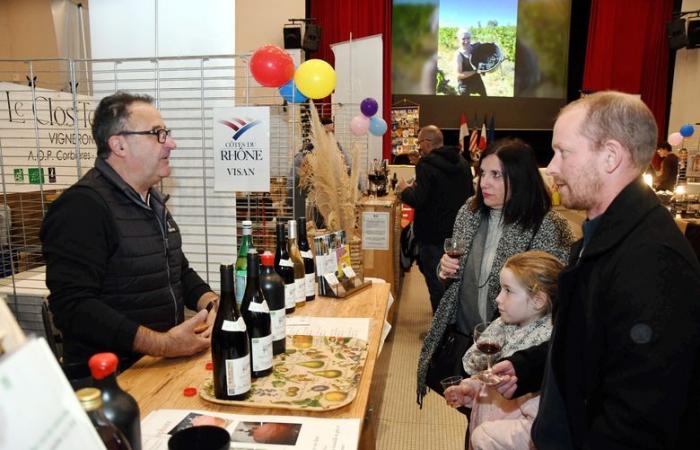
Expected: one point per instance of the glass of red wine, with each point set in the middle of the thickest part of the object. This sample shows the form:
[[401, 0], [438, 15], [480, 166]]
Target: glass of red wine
[[455, 248], [489, 342]]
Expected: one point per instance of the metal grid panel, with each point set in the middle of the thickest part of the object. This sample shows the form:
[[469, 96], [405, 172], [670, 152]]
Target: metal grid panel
[[186, 91]]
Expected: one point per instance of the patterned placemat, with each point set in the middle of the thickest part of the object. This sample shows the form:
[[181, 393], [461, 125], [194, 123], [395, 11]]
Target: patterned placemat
[[316, 373]]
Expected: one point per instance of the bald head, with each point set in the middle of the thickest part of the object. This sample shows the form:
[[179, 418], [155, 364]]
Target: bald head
[[429, 138]]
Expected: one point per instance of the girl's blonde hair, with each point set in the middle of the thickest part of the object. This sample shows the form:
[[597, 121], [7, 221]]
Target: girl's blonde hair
[[538, 272]]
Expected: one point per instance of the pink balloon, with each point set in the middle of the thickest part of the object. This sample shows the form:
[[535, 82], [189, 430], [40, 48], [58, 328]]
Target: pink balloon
[[675, 138], [359, 125]]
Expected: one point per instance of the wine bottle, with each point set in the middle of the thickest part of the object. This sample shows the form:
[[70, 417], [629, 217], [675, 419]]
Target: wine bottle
[[299, 276], [272, 287], [308, 258], [91, 401], [285, 269], [118, 406], [256, 313], [230, 345], [241, 262], [320, 250]]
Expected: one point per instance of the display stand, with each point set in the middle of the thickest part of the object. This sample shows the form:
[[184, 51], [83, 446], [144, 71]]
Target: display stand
[[335, 288]]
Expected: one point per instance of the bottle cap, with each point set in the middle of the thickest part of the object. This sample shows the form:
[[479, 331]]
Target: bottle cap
[[189, 391], [103, 365], [267, 259], [90, 398]]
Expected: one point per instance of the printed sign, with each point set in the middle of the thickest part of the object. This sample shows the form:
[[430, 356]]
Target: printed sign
[[242, 149], [375, 231]]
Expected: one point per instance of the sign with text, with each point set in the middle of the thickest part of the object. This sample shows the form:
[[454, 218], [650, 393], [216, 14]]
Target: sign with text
[[44, 130], [242, 149]]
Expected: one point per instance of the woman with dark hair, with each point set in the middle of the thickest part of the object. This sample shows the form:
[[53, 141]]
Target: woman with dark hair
[[510, 213]]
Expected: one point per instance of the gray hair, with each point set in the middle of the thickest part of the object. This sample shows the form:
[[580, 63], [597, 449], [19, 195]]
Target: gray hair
[[620, 117]]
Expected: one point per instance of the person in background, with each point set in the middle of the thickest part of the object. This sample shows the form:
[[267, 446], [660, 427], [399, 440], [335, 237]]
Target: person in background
[[510, 213], [443, 182], [118, 279], [667, 177], [622, 370], [682, 165], [469, 80], [528, 291]]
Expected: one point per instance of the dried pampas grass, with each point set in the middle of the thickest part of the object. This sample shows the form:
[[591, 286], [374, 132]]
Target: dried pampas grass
[[324, 174]]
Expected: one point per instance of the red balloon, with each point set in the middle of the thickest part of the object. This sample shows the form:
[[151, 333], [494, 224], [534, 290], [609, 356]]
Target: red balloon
[[271, 66]]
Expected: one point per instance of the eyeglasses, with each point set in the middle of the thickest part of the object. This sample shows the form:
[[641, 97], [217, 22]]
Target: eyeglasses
[[160, 133]]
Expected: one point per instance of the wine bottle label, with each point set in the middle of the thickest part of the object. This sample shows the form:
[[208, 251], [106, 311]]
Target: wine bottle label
[[278, 320], [230, 325], [238, 375], [241, 278], [306, 254], [286, 263], [290, 295], [310, 284], [299, 290], [259, 307], [261, 349]]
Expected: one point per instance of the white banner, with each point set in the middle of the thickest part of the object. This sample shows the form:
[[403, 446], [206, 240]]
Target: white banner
[[242, 149]]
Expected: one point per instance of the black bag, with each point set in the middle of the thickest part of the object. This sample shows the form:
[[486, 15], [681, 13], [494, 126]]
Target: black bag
[[447, 359], [409, 247]]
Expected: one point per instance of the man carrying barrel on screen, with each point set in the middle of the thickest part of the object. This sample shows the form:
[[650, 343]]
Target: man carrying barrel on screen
[[469, 80], [118, 278]]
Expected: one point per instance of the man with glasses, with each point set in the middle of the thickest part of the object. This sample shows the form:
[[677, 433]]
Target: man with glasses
[[118, 278], [469, 80]]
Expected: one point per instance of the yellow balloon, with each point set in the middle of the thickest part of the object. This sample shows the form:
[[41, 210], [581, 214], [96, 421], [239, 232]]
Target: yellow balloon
[[315, 78]]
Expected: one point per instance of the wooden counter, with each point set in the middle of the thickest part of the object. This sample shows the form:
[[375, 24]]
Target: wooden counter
[[157, 383]]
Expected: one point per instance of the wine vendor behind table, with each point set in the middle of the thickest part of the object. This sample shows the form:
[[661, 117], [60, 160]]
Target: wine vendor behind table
[[117, 276]]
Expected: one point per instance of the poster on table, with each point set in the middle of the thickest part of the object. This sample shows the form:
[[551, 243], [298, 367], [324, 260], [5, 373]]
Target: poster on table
[[50, 144], [404, 128], [242, 149]]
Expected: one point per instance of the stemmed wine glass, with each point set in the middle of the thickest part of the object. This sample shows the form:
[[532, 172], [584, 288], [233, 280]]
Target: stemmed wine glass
[[455, 248], [490, 345]]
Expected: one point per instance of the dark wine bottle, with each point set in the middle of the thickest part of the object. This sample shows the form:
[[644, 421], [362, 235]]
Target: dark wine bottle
[[119, 407], [230, 345], [256, 313], [308, 258], [91, 401], [273, 289], [285, 268]]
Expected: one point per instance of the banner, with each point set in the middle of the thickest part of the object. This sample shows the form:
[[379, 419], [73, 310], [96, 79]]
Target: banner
[[242, 149]]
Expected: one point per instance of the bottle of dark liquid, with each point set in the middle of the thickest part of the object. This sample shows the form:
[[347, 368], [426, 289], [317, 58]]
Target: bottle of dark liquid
[[230, 346], [308, 258], [273, 289], [91, 401], [256, 313], [119, 407], [241, 261], [299, 275], [285, 268]]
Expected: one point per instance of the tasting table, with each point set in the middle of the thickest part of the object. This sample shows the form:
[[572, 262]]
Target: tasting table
[[158, 383]]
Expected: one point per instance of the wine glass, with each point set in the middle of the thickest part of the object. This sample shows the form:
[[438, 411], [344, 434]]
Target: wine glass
[[455, 248], [489, 343]]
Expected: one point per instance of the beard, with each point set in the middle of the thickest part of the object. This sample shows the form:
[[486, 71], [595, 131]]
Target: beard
[[579, 191]]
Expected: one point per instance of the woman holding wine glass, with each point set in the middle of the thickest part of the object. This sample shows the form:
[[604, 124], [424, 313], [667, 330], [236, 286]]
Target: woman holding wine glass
[[510, 213]]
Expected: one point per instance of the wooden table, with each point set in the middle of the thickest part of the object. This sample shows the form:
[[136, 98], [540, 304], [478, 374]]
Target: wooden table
[[157, 383]]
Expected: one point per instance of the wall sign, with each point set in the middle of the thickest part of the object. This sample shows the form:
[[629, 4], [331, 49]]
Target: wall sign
[[242, 149]]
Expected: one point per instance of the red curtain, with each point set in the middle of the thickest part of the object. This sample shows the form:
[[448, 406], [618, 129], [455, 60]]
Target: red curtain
[[339, 18], [627, 51]]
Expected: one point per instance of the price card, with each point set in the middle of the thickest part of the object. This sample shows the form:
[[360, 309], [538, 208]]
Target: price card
[[347, 270], [331, 278]]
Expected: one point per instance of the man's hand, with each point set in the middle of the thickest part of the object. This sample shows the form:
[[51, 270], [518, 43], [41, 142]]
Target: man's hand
[[509, 381], [402, 185], [448, 267], [460, 395], [181, 340], [413, 157]]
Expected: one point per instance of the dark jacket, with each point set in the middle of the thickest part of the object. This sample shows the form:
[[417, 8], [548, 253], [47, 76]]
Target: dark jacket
[[443, 183], [666, 181], [113, 263], [623, 369]]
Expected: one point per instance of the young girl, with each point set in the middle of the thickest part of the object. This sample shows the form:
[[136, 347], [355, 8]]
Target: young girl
[[528, 288]]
